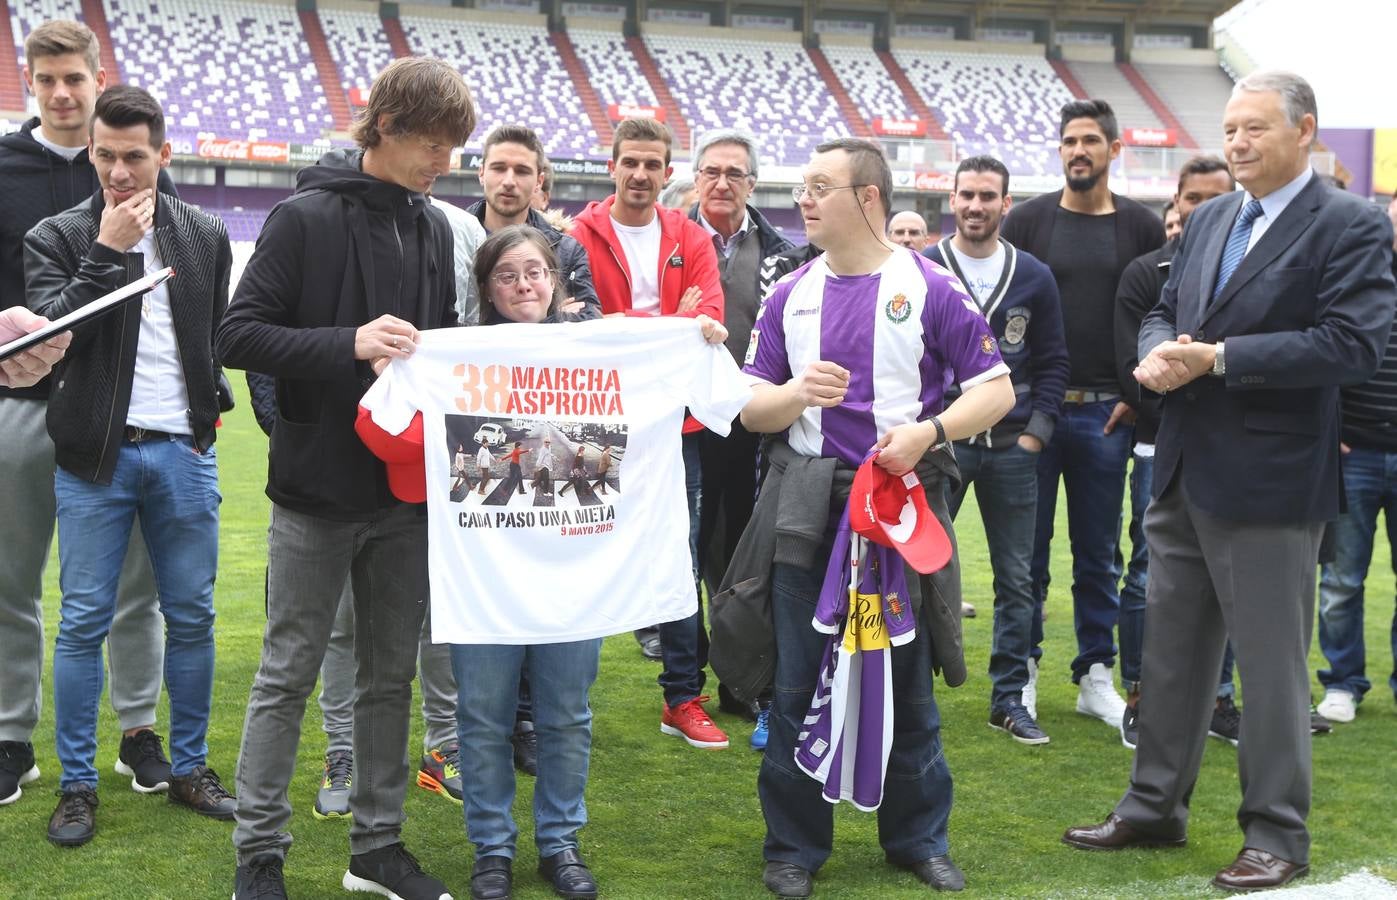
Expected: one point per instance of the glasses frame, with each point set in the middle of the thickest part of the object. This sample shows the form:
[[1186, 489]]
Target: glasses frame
[[515, 277], [819, 192], [732, 175]]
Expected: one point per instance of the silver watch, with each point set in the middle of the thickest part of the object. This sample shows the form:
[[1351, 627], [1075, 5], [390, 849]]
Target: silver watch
[[1219, 362]]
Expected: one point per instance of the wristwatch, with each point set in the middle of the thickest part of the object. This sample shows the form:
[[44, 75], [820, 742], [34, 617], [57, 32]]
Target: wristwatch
[[1219, 362]]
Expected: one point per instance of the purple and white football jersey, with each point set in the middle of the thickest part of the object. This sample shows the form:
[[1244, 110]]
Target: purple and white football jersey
[[905, 333]]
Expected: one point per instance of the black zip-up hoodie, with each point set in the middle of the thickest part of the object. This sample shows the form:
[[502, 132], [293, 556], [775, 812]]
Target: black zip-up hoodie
[[343, 250], [37, 183]]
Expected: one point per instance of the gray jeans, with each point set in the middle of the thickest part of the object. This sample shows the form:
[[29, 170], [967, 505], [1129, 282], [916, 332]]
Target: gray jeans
[[337, 683], [136, 642], [309, 560]]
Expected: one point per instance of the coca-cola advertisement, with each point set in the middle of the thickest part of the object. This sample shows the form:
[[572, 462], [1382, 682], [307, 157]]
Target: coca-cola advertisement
[[899, 127], [244, 151], [1150, 137], [619, 111]]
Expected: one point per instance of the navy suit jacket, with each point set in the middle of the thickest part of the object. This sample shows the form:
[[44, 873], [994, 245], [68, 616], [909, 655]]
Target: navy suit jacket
[[1308, 310]]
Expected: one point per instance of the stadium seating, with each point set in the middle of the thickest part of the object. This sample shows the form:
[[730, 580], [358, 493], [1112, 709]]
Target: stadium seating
[[26, 15], [515, 75], [771, 89], [230, 68], [866, 80], [358, 44], [1002, 104], [612, 68], [1196, 95], [1104, 81]]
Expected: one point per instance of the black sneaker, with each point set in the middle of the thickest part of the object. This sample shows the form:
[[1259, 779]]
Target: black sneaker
[[143, 761], [1012, 717], [202, 792], [1319, 724], [392, 872], [1130, 725], [260, 878], [75, 820], [16, 768], [1227, 721], [332, 800], [729, 703], [525, 741]]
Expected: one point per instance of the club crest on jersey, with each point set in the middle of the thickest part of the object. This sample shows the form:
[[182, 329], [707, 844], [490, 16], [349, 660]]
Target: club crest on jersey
[[899, 309], [986, 345]]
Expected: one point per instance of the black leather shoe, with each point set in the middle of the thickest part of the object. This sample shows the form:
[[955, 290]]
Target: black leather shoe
[[570, 876], [937, 872], [492, 878], [787, 879], [1115, 834], [1257, 870]]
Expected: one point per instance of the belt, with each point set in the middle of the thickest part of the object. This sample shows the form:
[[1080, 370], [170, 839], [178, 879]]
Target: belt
[[1072, 396], [135, 435]]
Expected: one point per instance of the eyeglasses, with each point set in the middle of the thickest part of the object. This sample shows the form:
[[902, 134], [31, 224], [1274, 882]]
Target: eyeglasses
[[712, 173], [819, 191], [534, 274]]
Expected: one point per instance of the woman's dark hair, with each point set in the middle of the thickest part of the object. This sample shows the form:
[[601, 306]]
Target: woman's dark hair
[[496, 246]]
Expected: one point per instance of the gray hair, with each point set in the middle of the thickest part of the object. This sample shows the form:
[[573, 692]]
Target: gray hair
[[1297, 97], [674, 192], [744, 139]]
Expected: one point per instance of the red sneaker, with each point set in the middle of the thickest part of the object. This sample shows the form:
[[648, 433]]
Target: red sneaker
[[690, 721]]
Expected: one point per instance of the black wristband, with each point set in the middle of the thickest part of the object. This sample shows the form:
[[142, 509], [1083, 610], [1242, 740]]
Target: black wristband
[[940, 432]]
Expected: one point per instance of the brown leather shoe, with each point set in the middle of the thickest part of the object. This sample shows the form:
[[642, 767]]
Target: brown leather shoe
[[1257, 870], [1115, 834]]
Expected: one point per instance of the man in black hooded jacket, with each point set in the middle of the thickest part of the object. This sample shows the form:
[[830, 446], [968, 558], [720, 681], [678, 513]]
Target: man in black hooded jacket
[[344, 274]]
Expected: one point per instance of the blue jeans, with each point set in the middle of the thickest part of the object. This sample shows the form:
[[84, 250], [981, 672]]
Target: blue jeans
[[684, 642], [917, 791], [1092, 468], [1370, 484], [1007, 493], [487, 692], [174, 492]]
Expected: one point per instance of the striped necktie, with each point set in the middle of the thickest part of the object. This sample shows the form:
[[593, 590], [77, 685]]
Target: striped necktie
[[1236, 245]]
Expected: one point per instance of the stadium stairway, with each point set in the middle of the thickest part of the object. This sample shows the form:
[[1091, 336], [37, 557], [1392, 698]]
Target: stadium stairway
[[325, 68], [583, 85], [857, 125], [94, 15], [1065, 73], [683, 137], [1161, 109], [934, 131], [11, 87], [397, 39]]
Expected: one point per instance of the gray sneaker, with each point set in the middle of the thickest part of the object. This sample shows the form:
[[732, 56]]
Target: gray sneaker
[[332, 801]]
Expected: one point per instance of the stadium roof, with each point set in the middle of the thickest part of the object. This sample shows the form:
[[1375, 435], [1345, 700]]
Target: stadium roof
[[1067, 8]]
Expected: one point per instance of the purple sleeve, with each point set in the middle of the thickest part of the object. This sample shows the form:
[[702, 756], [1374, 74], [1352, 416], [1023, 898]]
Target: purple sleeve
[[766, 350], [955, 327]]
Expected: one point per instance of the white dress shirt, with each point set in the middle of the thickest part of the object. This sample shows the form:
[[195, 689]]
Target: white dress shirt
[[159, 397]]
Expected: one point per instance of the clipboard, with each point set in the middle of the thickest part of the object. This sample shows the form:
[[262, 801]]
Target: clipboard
[[87, 312]]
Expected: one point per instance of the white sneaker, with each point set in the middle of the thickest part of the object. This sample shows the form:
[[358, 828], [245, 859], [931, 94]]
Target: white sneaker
[[1338, 706], [1097, 697], [1029, 697]]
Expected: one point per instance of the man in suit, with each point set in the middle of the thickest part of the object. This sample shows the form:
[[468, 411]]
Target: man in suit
[[1278, 296]]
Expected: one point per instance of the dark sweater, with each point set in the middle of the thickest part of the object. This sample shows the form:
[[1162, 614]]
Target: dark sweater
[[1030, 226], [1141, 283], [37, 183], [1026, 318], [1369, 409]]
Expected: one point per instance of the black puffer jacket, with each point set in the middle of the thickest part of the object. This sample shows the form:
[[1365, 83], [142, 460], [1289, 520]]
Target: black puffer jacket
[[37, 183], [65, 268]]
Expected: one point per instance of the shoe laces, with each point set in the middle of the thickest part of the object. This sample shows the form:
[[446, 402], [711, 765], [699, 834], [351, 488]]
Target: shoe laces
[[76, 805], [397, 858], [264, 877], [147, 745], [339, 768], [1017, 713], [763, 718], [1228, 712], [449, 755], [206, 780], [13, 757], [693, 711]]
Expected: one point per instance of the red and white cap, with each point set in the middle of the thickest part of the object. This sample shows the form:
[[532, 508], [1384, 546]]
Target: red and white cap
[[892, 510], [403, 454]]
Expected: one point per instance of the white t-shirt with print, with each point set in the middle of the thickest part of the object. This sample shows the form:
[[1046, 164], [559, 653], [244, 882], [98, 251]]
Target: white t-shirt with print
[[981, 275], [642, 248], [557, 556]]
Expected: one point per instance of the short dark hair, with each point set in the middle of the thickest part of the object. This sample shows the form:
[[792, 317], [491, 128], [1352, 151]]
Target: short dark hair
[[640, 128], [984, 164], [515, 134], [488, 254], [1098, 110], [421, 96], [547, 177], [59, 37], [1164, 213], [125, 105], [1203, 165], [868, 165]]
